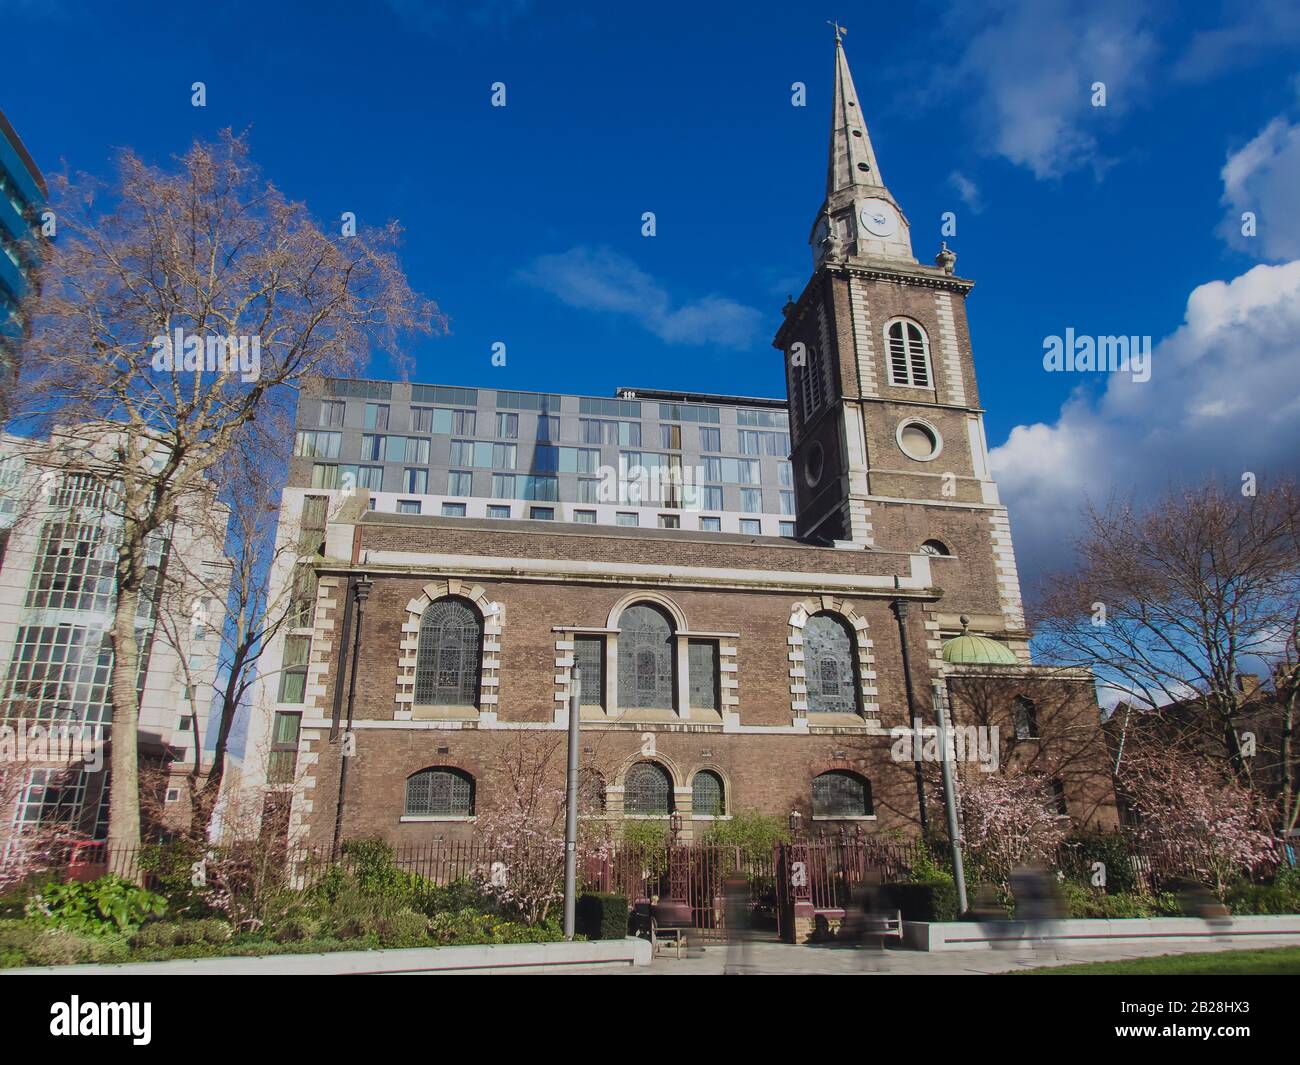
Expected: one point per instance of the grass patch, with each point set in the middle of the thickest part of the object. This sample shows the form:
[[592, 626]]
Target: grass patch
[[1278, 961]]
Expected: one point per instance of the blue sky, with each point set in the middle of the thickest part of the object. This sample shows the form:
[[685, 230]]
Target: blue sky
[[524, 222]]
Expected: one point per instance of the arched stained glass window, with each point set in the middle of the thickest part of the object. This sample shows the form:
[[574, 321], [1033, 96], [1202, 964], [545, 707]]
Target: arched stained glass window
[[439, 793], [829, 673], [707, 794], [645, 659], [448, 660], [841, 793], [647, 790]]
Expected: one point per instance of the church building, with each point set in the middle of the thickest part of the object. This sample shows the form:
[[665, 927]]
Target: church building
[[752, 637]]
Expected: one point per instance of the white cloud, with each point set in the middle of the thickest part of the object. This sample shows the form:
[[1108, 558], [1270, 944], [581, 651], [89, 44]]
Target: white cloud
[[1264, 177], [967, 190], [1029, 67], [597, 279], [1256, 28], [1223, 399]]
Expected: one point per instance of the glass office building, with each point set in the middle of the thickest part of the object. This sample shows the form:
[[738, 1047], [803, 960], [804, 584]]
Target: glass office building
[[639, 458], [23, 195]]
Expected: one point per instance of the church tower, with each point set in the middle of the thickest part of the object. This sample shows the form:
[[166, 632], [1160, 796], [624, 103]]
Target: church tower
[[886, 426]]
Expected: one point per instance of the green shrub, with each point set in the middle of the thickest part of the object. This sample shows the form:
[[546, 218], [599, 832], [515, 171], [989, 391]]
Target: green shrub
[[755, 834], [601, 915], [1089, 902], [182, 933], [294, 927], [107, 905], [1112, 850], [454, 897], [1281, 896], [469, 927], [29, 943], [371, 863], [930, 900], [170, 869]]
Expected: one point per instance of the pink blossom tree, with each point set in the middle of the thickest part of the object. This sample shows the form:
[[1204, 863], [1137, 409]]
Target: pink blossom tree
[[1009, 820], [1195, 816], [523, 830]]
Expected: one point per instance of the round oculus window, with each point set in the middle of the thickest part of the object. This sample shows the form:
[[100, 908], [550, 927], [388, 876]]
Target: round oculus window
[[813, 465], [918, 441]]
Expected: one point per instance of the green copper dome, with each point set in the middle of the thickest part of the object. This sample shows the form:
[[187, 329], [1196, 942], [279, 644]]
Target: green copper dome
[[968, 650]]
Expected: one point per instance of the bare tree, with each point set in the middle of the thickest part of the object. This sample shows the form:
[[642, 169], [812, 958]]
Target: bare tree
[[184, 305], [1173, 605], [235, 603]]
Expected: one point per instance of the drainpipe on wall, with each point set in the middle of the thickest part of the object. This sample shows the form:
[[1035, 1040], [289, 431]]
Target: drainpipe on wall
[[913, 714], [361, 590]]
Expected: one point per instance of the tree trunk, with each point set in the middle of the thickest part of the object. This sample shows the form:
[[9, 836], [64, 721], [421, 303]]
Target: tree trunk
[[1290, 808], [124, 760]]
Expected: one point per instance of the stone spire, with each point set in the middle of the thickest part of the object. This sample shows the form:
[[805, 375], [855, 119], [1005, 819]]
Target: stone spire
[[852, 164], [866, 220]]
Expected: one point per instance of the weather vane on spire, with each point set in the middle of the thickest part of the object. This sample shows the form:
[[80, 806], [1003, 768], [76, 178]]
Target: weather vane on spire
[[839, 30]]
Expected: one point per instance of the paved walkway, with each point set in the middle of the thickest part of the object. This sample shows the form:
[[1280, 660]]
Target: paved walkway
[[788, 959]]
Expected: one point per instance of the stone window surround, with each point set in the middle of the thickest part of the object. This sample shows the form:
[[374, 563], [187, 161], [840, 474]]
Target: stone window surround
[[925, 344], [869, 711], [493, 616], [728, 685]]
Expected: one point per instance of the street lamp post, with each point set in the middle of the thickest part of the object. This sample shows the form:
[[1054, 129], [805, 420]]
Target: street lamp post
[[949, 794], [571, 810]]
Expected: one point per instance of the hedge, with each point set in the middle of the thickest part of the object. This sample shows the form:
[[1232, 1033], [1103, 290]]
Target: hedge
[[929, 900], [602, 916]]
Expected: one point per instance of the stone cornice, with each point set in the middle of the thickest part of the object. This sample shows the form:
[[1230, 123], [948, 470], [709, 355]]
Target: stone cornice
[[917, 585]]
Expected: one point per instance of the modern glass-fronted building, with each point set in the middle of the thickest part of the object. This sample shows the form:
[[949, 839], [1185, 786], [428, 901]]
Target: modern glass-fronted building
[[22, 197], [640, 458]]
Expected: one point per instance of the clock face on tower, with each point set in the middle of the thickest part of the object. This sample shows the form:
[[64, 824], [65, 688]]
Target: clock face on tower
[[878, 218]]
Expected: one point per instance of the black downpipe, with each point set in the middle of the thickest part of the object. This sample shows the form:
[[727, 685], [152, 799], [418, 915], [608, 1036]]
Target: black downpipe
[[900, 611], [361, 589]]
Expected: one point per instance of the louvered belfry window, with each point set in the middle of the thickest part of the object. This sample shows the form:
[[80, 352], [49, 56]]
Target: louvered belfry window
[[828, 666], [448, 661], [909, 355], [645, 659]]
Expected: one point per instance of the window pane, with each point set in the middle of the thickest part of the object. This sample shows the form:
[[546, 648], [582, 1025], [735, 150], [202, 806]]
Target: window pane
[[828, 666], [647, 790], [704, 674], [439, 793], [589, 656], [841, 794], [448, 656], [706, 794], [645, 659]]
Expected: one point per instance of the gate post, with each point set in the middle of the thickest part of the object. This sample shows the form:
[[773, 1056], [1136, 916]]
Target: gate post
[[800, 878]]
